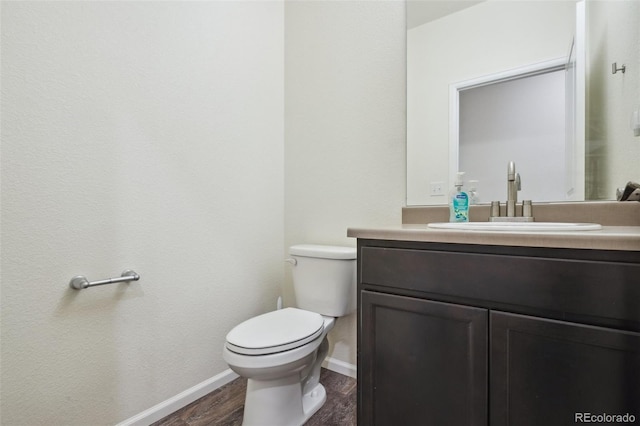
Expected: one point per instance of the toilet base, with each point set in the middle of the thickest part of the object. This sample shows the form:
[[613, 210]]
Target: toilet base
[[312, 401], [281, 403]]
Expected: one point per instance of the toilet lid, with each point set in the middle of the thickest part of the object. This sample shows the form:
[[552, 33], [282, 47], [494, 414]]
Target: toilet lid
[[275, 331]]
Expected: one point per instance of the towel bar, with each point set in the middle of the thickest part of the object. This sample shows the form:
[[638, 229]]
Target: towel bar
[[79, 282]]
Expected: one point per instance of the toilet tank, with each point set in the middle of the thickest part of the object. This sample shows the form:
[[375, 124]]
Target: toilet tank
[[324, 278]]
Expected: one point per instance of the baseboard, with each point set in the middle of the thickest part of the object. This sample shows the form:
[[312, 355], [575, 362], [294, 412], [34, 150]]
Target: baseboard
[[173, 404], [341, 367], [180, 400]]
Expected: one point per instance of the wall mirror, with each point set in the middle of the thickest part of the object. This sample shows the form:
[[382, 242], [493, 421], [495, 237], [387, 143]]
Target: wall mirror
[[533, 82]]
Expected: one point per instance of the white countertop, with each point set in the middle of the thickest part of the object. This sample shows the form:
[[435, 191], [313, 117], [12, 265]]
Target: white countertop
[[608, 238]]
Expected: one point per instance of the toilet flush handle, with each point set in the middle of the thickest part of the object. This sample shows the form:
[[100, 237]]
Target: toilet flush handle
[[291, 261]]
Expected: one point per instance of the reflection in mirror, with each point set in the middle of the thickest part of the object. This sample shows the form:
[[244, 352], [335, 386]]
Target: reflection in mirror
[[520, 120], [450, 52]]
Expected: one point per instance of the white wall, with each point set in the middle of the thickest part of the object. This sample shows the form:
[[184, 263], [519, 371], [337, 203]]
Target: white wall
[[487, 38], [142, 135], [344, 127], [151, 136], [613, 153]]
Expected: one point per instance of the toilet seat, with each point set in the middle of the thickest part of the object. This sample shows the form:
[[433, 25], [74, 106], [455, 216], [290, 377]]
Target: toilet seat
[[274, 332]]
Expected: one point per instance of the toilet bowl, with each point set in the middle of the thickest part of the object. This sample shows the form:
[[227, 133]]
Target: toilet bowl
[[281, 352], [275, 393]]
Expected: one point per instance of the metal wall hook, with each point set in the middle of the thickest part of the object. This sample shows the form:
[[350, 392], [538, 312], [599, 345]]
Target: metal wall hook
[[615, 69], [79, 282]]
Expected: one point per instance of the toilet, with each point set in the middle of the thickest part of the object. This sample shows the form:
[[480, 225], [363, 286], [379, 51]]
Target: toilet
[[281, 352]]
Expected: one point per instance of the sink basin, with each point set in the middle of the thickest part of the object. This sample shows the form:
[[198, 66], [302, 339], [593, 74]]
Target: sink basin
[[517, 226]]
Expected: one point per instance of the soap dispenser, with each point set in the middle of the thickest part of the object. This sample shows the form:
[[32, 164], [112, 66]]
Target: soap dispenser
[[458, 201], [474, 196]]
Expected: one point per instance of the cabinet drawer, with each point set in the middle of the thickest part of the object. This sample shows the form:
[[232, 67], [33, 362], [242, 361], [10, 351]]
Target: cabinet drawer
[[604, 292]]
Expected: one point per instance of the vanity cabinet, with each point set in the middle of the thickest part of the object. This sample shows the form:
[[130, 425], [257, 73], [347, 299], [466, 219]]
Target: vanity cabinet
[[454, 334]]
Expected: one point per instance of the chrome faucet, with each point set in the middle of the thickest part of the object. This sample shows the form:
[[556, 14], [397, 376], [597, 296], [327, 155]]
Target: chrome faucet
[[513, 186]]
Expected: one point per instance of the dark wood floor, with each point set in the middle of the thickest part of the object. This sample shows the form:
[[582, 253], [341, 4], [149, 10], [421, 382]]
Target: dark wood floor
[[224, 405]]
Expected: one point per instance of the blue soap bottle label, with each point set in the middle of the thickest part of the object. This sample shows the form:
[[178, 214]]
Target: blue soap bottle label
[[460, 207]]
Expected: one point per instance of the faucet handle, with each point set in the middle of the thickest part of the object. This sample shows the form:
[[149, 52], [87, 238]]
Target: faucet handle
[[518, 182], [495, 209]]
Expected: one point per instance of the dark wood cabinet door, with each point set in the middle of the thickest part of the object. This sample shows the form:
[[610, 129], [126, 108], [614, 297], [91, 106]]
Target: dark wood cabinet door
[[421, 362], [548, 372]]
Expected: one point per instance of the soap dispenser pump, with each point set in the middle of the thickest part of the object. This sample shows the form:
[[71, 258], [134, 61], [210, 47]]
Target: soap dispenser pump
[[459, 201]]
